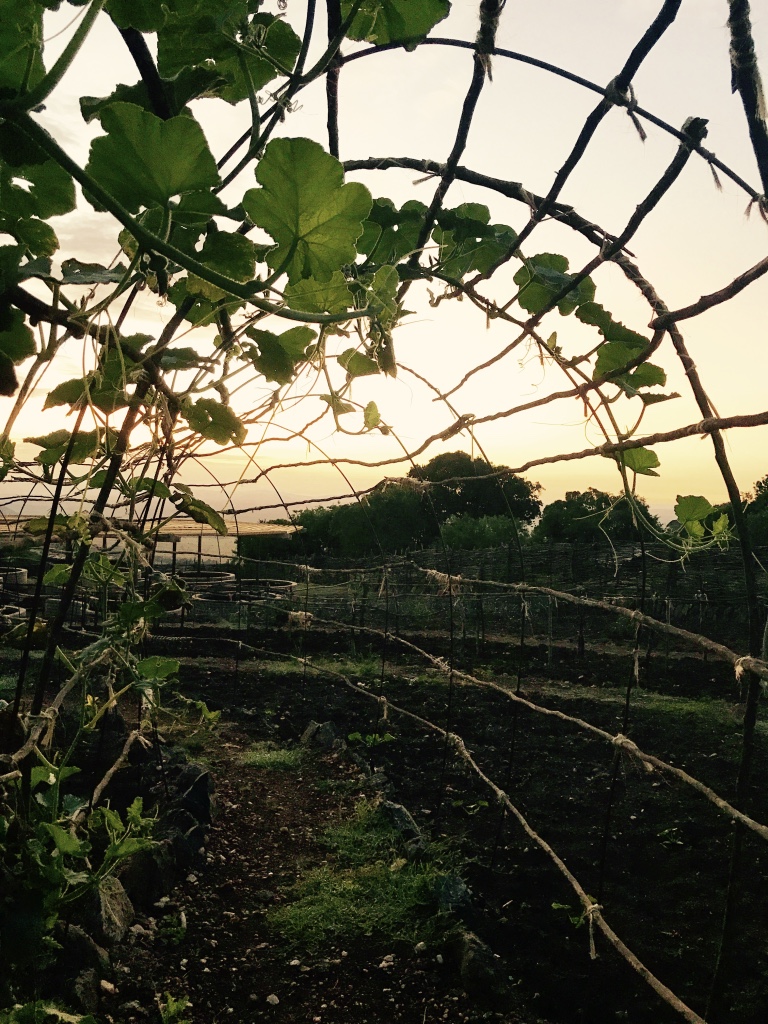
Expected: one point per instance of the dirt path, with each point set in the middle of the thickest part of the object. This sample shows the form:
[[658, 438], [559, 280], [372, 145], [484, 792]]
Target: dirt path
[[209, 940]]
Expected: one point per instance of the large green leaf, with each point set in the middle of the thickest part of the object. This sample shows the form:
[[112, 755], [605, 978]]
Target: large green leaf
[[105, 388], [692, 508], [276, 355], [228, 253], [35, 190], [36, 235], [468, 242], [214, 421], [143, 15], [16, 339], [189, 84], [21, 45], [54, 446], [310, 296], [220, 35], [314, 218], [542, 277], [390, 234], [394, 21], [17, 343], [144, 161], [158, 667]]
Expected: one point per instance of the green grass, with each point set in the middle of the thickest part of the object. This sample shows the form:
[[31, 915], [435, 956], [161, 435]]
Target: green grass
[[368, 890], [7, 686], [267, 755]]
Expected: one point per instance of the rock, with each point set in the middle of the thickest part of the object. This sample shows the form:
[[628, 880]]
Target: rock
[[150, 873], [195, 787], [452, 894], [86, 990], [400, 818], [78, 950], [107, 912], [481, 972], [273, 1000], [320, 734], [417, 850]]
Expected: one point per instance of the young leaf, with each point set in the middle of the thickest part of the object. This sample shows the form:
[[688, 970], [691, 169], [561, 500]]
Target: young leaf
[[146, 485], [357, 364], [57, 576], [640, 460], [65, 842], [383, 293], [314, 218], [144, 161], [200, 512], [75, 272], [337, 404], [371, 416]]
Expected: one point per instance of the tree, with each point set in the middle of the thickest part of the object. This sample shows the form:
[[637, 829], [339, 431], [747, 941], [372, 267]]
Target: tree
[[470, 533], [475, 488], [585, 517]]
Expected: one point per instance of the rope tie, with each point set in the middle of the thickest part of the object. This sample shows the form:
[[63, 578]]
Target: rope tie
[[628, 100], [49, 715], [592, 909], [625, 743]]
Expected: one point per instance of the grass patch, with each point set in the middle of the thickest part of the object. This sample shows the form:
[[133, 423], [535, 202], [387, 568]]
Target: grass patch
[[7, 686], [368, 890], [267, 755]]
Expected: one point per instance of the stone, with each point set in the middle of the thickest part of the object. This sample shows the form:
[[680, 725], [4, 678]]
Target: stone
[[149, 874], [107, 911], [452, 893], [196, 789], [320, 734], [86, 990], [273, 1000], [481, 972], [400, 818], [78, 950]]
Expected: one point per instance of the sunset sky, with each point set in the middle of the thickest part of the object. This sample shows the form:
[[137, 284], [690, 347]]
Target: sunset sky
[[400, 104]]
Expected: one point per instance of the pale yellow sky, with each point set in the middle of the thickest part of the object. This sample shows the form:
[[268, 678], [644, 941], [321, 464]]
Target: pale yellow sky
[[408, 104]]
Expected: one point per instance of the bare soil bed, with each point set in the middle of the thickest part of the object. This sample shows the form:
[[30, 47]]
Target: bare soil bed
[[655, 854]]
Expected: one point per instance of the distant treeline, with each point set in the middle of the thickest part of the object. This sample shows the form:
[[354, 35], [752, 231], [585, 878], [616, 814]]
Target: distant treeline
[[467, 503]]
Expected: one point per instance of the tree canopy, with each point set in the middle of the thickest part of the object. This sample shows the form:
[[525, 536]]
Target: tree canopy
[[588, 516], [474, 487]]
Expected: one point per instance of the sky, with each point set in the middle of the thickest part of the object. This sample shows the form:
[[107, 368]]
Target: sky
[[399, 104]]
